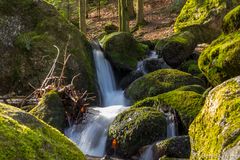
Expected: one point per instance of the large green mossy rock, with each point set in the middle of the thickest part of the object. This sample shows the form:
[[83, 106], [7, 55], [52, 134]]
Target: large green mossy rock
[[135, 128], [176, 48], [28, 31], [158, 82], [231, 21], [123, 50], [51, 110], [220, 61], [22, 136], [215, 131], [176, 147], [203, 18], [186, 103]]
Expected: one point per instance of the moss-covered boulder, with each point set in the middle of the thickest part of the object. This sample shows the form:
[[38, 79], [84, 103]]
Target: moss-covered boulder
[[176, 48], [28, 31], [220, 61], [187, 104], [51, 110], [123, 50], [175, 147], [215, 131], [231, 21], [203, 18], [135, 128], [195, 88], [158, 82], [22, 136]]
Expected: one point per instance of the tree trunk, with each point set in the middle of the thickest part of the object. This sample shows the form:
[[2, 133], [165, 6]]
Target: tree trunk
[[86, 8], [123, 16], [82, 16], [99, 9], [68, 10], [131, 11], [140, 14]]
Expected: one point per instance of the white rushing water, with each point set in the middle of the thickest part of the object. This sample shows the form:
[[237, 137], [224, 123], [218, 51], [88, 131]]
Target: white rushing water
[[91, 134], [147, 154]]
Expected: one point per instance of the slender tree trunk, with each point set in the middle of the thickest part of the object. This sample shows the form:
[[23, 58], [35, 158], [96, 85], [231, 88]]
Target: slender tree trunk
[[82, 16], [99, 9], [140, 12], [131, 11], [123, 16], [87, 8], [68, 10]]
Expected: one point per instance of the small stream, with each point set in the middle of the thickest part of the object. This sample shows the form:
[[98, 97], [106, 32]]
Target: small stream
[[91, 134]]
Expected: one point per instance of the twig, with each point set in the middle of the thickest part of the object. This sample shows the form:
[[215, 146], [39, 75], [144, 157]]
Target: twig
[[74, 78], [52, 68]]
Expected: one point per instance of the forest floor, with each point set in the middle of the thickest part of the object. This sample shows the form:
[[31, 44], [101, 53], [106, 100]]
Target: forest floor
[[159, 15]]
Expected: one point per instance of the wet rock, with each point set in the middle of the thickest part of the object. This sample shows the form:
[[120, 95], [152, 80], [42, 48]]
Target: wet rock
[[175, 147], [135, 128]]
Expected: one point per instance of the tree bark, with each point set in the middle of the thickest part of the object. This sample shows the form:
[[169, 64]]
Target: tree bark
[[131, 12], [86, 8], [82, 16], [140, 12], [68, 10], [123, 16]]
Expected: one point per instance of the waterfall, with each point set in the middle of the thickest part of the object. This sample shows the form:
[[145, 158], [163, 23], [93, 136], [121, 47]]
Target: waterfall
[[147, 154], [91, 134], [171, 125], [106, 80]]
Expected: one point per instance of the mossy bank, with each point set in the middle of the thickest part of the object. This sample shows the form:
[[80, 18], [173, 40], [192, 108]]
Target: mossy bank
[[25, 137]]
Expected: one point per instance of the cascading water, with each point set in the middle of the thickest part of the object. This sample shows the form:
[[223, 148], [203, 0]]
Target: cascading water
[[147, 154], [171, 125], [91, 134], [160, 63]]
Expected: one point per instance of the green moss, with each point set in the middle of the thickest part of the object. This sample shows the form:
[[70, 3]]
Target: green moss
[[220, 61], [195, 88], [215, 131], [197, 12], [231, 21], [123, 50], [135, 128], [158, 82], [177, 48], [51, 110], [203, 18], [33, 49], [186, 103], [25, 137], [190, 66]]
